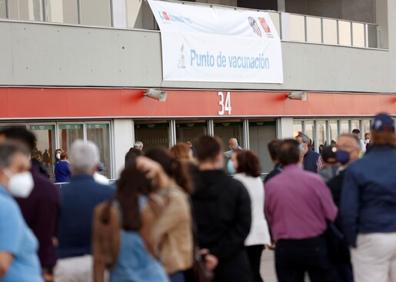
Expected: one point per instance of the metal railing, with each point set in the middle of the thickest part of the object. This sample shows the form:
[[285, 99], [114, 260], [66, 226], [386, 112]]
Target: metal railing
[[328, 31], [291, 27]]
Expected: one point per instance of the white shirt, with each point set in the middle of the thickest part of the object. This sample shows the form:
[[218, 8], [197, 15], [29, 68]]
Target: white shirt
[[101, 179], [259, 232]]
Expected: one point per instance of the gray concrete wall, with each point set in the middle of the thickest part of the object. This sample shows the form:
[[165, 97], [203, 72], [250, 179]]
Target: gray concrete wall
[[52, 55]]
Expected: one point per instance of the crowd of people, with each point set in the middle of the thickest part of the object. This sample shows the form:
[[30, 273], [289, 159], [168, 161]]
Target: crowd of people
[[198, 213]]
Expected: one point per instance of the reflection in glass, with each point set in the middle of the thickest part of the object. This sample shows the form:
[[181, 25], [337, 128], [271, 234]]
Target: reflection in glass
[[152, 134], [297, 127], [31, 10], [3, 9], [321, 127], [100, 135], [68, 134], [188, 131], [333, 131], [344, 126], [44, 151], [358, 34], [70, 11], [227, 130], [309, 128]]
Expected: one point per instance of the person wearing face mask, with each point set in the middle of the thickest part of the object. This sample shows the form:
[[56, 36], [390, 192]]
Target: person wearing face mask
[[39, 207], [222, 212], [312, 161], [368, 206], [18, 246], [348, 151]]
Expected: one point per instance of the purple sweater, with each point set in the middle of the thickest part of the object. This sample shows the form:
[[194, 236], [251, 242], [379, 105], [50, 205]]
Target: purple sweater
[[297, 204], [41, 212]]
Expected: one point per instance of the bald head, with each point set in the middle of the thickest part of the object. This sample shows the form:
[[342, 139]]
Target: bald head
[[233, 144], [351, 144]]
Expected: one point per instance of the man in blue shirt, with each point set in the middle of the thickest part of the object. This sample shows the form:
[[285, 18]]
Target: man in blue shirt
[[78, 200], [368, 206], [18, 246]]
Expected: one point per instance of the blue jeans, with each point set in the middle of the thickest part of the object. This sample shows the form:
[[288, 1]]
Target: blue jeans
[[177, 277]]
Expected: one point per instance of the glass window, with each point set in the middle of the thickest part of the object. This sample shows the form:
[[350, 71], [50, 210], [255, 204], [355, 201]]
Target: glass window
[[100, 135], [309, 129], [293, 27], [152, 134], [344, 126], [68, 134], [372, 36], [365, 126], [344, 31], [314, 34], [261, 133], [95, 12], [297, 127], [355, 124], [333, 130], [45, 149], [190, 130], [27, 10], [321, 127], [70, 11], [358, 34], [229, 129], [329, 31], [3, 9], [54, 10]]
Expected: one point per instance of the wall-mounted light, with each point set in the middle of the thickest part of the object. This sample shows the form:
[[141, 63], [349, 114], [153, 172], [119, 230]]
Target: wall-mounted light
[[297, 95], [156, 94]]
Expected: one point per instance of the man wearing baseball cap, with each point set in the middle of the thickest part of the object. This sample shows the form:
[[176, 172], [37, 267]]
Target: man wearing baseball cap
[[368, 206]]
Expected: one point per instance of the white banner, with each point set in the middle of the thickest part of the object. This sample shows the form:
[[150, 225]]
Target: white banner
[[217, 44]]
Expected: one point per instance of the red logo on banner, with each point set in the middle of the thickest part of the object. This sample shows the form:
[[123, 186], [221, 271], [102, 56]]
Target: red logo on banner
[[264, 24], [165, 16]]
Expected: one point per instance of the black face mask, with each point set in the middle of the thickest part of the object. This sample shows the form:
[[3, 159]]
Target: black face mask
[[342, 157]]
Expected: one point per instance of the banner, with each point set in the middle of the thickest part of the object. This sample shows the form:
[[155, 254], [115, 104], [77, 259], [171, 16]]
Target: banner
[[217, 44]]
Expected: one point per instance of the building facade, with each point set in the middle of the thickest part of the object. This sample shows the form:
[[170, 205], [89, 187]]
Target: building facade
[[79, 69]]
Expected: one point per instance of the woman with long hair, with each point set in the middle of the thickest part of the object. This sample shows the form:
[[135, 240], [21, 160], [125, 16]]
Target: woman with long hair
[[248, 170], [176, 251], [118, 230]]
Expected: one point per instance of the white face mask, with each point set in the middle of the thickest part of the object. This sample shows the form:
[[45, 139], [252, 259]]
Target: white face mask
[[58, 156], [21, 184]]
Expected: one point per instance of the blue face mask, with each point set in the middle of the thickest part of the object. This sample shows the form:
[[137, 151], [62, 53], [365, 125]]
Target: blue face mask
[[342, 157], [230, 167]]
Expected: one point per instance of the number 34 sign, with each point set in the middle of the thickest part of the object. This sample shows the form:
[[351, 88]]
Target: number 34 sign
[[224, 103]]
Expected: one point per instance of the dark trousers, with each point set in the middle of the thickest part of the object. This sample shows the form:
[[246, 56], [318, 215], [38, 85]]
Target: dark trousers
[[254, 255], [295, 258]]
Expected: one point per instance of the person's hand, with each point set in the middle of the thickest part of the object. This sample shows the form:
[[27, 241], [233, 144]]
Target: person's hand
[[153, 171], [210, 260], [271, 246]]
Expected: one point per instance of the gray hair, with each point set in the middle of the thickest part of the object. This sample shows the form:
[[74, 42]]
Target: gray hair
[[7, 152], [84, 157], [138, 145], [304, 138]]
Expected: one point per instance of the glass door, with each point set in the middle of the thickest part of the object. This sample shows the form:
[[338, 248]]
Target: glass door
[[68, 133], [99, 134], [45, 148]]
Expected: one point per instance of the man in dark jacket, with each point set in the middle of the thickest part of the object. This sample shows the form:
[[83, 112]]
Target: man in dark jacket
[[79, 198], [368, 206], [222, 213], [348, 151], [41, 208], [273, 148], [312, 161]]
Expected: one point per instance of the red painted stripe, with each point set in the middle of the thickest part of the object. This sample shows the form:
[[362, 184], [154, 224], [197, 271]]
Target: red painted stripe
[[94, 102]]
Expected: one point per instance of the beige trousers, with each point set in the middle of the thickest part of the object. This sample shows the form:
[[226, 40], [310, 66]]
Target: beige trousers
[[374, 259], [77, 269]]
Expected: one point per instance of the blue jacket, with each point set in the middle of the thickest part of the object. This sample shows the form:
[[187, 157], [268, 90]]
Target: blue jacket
[[62, 171], [311, 161], [368, 199], [78, 200]]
